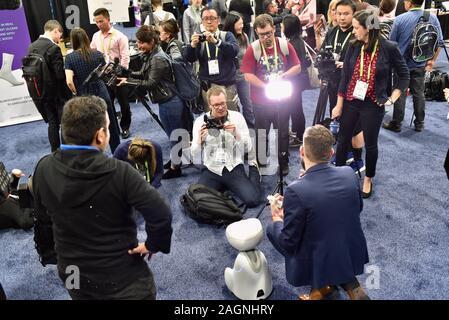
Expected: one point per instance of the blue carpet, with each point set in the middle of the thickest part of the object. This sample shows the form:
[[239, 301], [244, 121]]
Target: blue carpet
[[406, 222]]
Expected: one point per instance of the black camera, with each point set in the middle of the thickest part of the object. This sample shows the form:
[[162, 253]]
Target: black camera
[[108, 73], [215, 124], [202, 37], [325, 63]]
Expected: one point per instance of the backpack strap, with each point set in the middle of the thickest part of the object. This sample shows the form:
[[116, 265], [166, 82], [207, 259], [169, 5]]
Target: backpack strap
[[257, 50], [426, 15]]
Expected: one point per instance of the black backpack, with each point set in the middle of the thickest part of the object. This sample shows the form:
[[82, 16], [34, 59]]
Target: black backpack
[[207, 205], [37, 76], [424, 39], [434, 83]]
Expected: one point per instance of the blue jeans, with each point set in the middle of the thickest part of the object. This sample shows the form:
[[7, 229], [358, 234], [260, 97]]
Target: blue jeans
[[171, 113], [245, 99], [236, 181]]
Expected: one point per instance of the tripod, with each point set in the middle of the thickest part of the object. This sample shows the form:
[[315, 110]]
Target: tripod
[[280, 183], [321, 105]]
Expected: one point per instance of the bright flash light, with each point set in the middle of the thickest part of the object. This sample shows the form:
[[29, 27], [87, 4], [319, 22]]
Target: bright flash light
[[277, 89]]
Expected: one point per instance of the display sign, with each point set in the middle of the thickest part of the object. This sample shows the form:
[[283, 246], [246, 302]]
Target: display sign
[[118, 9], [16, 105]]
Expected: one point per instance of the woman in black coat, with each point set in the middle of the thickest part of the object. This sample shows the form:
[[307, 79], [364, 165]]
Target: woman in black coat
[[365, 89]]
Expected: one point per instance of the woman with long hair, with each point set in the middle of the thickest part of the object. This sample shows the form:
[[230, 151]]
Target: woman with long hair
[[79, 64], [365, 89], [156, 77], [144, 155], [234, 24], [292, 30]]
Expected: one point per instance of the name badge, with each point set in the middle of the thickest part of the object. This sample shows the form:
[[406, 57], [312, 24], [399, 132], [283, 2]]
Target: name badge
[[360, 90], [213, 67], [220, 156]]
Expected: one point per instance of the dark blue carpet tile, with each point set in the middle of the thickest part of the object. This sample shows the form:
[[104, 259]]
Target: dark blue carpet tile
[[406, 222]]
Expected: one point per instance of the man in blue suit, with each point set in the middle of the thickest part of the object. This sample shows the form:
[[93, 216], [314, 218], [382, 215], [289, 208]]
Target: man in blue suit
[[318, 227]]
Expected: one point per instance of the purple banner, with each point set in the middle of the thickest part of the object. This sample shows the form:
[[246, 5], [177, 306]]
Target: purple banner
[[14, 36]]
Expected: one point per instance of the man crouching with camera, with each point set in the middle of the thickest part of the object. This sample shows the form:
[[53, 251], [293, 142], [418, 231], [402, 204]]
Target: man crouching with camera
[[223, 136]]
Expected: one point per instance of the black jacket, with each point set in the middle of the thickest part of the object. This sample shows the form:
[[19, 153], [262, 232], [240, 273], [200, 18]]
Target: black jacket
[[53, 57], [85, 199], [389, 59], [155, 75]]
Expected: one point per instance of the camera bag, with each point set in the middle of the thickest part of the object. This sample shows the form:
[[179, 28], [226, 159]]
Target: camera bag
[[207, 205]]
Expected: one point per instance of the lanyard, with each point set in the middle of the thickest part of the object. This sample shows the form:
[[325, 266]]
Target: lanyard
[[109, 45], [76, 147], [208, 51], [362, 58], [266, 58], [344, 42], [147, 171]]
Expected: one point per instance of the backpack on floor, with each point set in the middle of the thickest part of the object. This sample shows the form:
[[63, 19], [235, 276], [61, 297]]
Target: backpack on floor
[[424, 39], [434, 83], [207, 205]]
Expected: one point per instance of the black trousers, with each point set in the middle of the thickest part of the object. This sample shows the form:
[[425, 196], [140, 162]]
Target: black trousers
[[419, 102], [297, 114], [122, 95], [12, 216], [370, 116], [2, 293], [53, 110], [265, 116], [142, 288]]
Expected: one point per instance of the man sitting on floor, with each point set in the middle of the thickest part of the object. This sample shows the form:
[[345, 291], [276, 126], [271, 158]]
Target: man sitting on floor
[[223, 135]]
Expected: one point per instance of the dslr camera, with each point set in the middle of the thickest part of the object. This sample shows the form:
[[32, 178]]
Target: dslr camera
[[325, 63], [215, 124]]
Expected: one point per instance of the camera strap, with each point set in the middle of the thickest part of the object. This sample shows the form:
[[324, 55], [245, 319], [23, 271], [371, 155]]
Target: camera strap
[[266, 57], [344, 42], [106, 52]]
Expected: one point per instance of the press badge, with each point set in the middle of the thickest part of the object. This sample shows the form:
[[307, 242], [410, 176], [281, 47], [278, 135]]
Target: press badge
[[213, 67], [360, 90], [220, 156]]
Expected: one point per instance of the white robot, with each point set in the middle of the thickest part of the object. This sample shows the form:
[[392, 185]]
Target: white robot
[[250, 279]]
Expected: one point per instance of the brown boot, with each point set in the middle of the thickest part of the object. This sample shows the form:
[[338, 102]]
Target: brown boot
[[326, 292], [357, 294]]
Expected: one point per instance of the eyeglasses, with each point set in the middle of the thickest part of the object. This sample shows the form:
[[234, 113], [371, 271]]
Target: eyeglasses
[[209, 18], [265, 34], [219, 105]]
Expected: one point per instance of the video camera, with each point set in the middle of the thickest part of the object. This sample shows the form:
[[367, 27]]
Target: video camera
[[325, 63], [108, 73]]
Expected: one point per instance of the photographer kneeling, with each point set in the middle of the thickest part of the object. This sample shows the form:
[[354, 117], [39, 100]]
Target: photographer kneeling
[[11, 214], [156, 77], [145, 156], [224, 136]]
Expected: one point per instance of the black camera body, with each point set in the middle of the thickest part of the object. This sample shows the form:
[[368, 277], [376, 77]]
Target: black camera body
[[325, 63], [108, 73], [214, 123], [202, 37]]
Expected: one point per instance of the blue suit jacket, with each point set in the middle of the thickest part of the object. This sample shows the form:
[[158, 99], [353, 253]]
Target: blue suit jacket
[[321, 237]]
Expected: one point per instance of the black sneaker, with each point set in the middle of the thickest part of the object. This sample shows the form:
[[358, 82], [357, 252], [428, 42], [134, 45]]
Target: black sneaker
[[119, 115], [125, 134], [167, 165], [419, 127], [294, 142], [172, 173], [392, 126]]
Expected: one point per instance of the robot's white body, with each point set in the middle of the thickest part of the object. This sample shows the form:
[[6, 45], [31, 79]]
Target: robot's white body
[[250, 278]]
